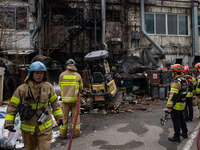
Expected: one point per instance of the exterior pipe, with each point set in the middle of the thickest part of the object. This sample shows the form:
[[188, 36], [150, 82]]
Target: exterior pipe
[[103, 14], [143, 29], [149, 55], [40, 23], [35, 32], [195, 45]]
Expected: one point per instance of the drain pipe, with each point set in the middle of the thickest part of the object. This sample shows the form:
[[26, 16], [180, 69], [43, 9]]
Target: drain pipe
[[40, 23], [195, 45], [103, 14], [143, 29]]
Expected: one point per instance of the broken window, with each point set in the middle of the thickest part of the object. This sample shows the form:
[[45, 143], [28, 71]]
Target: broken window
[[96, 13], [109, 15], [21, 18], [13, 18], [116, 15], [63, 17], [7, 17], [169, 24], [113, 15]]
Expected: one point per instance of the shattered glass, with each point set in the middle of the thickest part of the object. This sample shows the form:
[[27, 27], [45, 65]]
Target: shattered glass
[[7, 17], [13, 18]]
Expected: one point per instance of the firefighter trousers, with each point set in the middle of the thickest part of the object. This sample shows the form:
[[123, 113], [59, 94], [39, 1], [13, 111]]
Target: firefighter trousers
[[66, 108], [188, 111], [198, 102], [178, 122], [39, 140]]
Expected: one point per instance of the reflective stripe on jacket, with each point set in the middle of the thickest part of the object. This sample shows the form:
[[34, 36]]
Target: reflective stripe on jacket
[[198, 84], [174, 93], [47, 97], [71, 83], [190, 94]]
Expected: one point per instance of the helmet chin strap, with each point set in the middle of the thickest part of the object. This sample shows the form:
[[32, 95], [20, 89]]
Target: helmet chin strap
[[36, 81]]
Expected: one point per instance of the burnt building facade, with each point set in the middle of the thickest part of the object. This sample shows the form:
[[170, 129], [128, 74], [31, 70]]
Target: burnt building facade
[[153, 32]]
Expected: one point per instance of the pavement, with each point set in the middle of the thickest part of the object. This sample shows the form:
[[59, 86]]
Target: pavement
[[129, 130]]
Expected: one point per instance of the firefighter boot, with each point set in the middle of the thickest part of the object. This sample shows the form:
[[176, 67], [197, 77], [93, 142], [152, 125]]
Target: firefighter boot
[[76, 133], [174, 139], [184, 135]]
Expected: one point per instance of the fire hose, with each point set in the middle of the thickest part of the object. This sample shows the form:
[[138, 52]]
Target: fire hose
[[198, 145], [77, 112]]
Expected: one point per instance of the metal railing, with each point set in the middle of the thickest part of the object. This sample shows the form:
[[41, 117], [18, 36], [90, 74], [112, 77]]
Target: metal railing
[[68, 32]]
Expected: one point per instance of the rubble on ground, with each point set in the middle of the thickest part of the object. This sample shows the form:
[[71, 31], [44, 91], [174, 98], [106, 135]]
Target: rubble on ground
[[130, 103]]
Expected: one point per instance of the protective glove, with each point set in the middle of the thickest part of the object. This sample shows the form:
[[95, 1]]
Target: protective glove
[[11, 128], [60, 123]]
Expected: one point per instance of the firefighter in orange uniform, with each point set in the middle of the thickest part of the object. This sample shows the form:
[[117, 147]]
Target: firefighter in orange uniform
[[188, 111], [32, 100], [176, 103], [71, 84]]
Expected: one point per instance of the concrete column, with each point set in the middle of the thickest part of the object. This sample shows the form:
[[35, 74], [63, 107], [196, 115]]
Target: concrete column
[[195, 32]]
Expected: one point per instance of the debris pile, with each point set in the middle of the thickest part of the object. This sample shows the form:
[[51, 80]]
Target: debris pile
[[130, 103], [128, 76]]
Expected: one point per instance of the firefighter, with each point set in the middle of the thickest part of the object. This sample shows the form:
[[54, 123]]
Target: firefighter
[[176, 103], [71, 84], [197, 90], [189, 104], [36, 125], [98, 67]]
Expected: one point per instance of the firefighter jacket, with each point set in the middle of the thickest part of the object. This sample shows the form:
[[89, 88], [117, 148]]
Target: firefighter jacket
[[198, 84], [46, 98], [178, 93], [191, 84], [71, 83]]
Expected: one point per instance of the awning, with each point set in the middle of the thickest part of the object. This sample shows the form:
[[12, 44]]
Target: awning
[[18, 52]]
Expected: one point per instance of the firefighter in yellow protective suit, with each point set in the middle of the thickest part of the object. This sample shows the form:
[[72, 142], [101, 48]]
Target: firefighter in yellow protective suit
[[188, 111], [176, 103], [33, 99], [197, 91], [71, 84]]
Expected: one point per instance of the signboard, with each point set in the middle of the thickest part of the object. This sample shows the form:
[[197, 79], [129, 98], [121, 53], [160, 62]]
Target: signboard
[[155, 76]]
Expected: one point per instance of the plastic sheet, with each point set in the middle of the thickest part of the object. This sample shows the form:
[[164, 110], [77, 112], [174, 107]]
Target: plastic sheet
[[8, 139]]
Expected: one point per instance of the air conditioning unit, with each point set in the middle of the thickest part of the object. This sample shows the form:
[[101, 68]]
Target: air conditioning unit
[[135, 35]]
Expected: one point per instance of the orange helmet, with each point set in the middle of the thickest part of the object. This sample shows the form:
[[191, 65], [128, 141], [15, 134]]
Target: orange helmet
[[197, 65], [176, 68], [186, 69]]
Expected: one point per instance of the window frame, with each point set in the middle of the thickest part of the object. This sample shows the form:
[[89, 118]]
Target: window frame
[[113, 17], [187, 23], [198, 25], [15, 23], [166, 24], [177, 19], [155, 23]]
